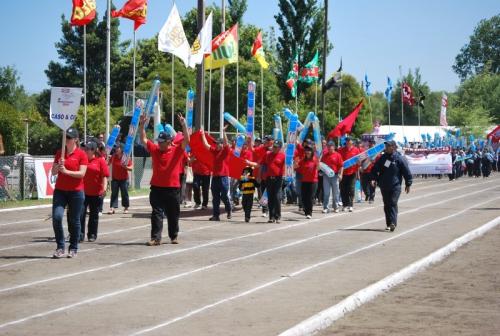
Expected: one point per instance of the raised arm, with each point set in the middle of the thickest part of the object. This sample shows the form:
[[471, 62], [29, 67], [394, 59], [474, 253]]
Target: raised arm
[[204, 140], [142, 131], [185, 132]]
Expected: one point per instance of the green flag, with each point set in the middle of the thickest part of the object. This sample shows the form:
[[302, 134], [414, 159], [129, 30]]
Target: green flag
[[293, 76], [310, 72]]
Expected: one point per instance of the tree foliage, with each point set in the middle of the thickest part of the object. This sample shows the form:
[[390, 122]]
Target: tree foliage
[[482, 52]]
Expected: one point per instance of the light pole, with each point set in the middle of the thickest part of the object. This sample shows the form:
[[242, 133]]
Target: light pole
[[26, 121]]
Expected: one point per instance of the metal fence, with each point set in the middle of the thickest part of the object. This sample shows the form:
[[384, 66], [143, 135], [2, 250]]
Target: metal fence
[[18, 178]]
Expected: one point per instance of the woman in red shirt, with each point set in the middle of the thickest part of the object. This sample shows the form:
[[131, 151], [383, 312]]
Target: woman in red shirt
[[308, 168], [95, 182], [119, 180], [68, 191]]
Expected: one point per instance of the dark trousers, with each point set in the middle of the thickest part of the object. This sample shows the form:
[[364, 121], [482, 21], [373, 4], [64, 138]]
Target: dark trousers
[[201, 182], [347, 189], [74, 201], [274, 185], [307, 189], [247, 203], [164, 201], [367, 187], [121, 185], [220, 188], [390, 198], [91, 202]]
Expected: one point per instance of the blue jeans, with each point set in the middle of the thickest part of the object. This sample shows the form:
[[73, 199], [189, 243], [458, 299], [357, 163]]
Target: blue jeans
[[74, 201], [330, 183], [121, 185], [220, 188]]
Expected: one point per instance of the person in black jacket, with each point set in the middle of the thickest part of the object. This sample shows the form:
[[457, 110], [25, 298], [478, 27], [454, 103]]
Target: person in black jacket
[[388, 173]]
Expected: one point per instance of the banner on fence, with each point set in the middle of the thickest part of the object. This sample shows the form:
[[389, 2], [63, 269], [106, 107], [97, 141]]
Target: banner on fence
[[429, 160], [45, 182]]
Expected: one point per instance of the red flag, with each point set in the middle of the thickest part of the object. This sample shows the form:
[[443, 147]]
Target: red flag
[[345, 126], [407, 95], [203, 155], [134, 10], [83, 12]]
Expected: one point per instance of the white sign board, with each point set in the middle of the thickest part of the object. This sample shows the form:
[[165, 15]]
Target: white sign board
[[64, 104], [429, 161]]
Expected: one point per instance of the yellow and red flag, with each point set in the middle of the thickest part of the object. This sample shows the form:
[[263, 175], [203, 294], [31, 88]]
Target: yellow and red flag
[[258, 51], [224, 49], [83, 12], [134, 10]]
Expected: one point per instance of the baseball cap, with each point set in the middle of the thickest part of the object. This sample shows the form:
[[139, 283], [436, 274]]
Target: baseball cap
[[268, 138], [391, 143], [71, 133], [163, 136], [92, 145], [308, 149], [331, 143], [258, 140], [277, 143]]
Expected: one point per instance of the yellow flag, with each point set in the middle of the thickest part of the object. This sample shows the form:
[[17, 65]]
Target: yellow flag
[[224, 49], [258, 52]]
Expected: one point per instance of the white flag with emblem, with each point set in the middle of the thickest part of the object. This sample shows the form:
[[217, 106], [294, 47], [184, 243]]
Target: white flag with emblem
[[172, 38], [442, 116], [203, 43]]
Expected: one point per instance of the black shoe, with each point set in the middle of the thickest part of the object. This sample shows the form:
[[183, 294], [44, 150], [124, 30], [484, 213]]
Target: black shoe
[[247, 219], [229, 215], [392, 227], [214, 218], [92, 238], [271, 221]]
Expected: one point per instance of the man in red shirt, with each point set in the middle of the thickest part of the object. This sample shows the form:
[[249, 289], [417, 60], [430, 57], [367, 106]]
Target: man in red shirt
[[220, 175], [164, 197], [334, 160], [274, 165], [349, 176]]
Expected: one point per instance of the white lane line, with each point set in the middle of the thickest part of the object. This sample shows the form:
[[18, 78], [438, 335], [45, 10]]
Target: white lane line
[[211, 243], [369, 208], [301, 271], [25, 221], [327, 317], [176, 276]]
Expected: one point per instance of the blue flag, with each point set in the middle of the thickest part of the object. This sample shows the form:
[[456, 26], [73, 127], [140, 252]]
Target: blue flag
[[388, 91], [367, 86]]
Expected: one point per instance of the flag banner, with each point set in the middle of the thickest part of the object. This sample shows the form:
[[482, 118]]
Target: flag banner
[[278, 126], [83, 12], [407, 95], [290, 146], [258, 51], [293, 76], [388, 90], [317, 136], [134, 10], [132, 130], [429, 161], [172, 38], [310, 72], [442, 115], [240, 141], [202, 45], [345, 126], [251, 109], [64, 104], [367, 86], [288, 114], [224, 49], [113, 136], [421, 98], [235, 123], [335, 80], [309, 120], [45, 181]]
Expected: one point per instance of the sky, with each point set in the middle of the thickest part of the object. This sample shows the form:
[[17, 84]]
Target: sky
[[372, 37]]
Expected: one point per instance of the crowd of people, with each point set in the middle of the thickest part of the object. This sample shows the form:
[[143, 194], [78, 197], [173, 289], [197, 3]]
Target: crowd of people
[[179, 178]]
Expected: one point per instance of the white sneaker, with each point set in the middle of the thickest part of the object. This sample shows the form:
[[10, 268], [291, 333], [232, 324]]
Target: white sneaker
[[264, 214], [350, 209], [308, 217], [325, 211], [336, 210]]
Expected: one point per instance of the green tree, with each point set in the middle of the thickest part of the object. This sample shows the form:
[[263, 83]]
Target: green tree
[[482, 52], [301, 24], [237, 9], [12, 128]]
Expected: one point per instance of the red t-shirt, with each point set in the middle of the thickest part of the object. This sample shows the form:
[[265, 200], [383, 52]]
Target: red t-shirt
[[299, 151], [220, 160], [97, 170], [199, 168], [258, 153], [72, 162], [275, 164], [347, 154], [333, 160], [167, 165], [309, 170], [119, 172], [246, 154]]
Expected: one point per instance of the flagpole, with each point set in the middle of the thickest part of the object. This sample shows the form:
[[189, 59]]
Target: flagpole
[[371, 112], [402, 107], [222, 75], [340, 98], [389, 109], [173, 85], [296, 103], [418, 113], [325, 46], [200, 73], [316, 99], [108, 67], [209, 97], [85, 83], [237, 90], [262, 102], [133, 68]]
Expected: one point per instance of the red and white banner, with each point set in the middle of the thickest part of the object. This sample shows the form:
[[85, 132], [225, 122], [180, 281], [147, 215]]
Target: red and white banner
[[429, 161], [45, 182], [444, 107]]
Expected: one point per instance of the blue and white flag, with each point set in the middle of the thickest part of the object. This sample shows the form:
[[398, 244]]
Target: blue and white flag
[[367, 86], [388, 91]]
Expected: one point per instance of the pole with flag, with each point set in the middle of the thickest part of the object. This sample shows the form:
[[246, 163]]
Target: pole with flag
[[292, 78], [420, 103], [310, 74], [368, 94], [402, 102], [388, 95], [222, 75], [339, 82], [108, 67], [82, 14], [258, 54]]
